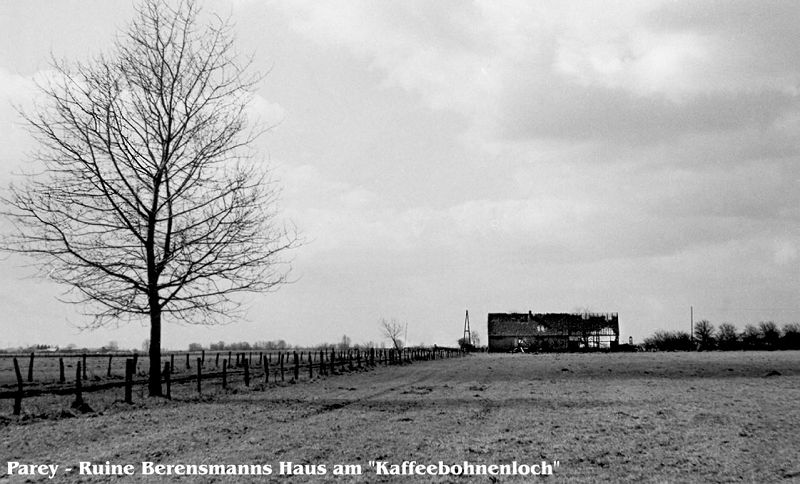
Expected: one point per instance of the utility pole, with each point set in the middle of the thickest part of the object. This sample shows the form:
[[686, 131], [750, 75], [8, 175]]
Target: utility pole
[[467, 333]]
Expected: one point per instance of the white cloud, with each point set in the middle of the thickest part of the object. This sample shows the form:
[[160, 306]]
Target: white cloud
[[563, 70], [268, 114]]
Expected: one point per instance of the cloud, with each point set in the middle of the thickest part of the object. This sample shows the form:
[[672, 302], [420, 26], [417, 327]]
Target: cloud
[[264, 112], [642, 129], [751, 44], [642, 72]]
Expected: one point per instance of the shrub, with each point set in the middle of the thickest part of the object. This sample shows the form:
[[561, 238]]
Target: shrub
[[791, 337], [704, 334], [669, 341], [750, 337], [727, 338], [770, 334]]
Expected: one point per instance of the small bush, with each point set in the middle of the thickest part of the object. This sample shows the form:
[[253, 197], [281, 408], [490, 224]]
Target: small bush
[[791, 337], [669, 341], [727, 337]]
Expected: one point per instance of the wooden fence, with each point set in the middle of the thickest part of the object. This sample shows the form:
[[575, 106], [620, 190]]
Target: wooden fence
[[224, 366]]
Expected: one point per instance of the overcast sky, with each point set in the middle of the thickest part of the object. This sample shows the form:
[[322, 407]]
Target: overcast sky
[[632, 157]]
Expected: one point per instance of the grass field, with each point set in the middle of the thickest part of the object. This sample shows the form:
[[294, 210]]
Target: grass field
[[645, 417]]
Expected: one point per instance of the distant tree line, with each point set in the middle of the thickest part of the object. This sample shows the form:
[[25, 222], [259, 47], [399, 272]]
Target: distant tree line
[[765, 335], [345, 344], [242, 346]]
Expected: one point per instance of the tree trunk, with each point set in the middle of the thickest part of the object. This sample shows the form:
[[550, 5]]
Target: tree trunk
[[155, 350]]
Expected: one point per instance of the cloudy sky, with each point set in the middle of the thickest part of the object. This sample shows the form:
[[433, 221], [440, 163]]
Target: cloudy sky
[[631, 157]]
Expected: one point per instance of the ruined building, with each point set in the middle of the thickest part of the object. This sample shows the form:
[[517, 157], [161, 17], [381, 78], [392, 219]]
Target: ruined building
[[553, 331]]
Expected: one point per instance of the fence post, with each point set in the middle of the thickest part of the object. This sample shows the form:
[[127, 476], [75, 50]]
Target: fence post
[[203, 356], [310, 365], [78, 389], [171, 363], [280, 357], [188, 365], [135, 362], [333, 361], [129, 370], [84, 366], [224, 374], [266, 370], [216, 361], [18, 396], [199, 374], [246, 364], [30, 368], [168, 379], [61, 378], [108, 371], [296, 367]]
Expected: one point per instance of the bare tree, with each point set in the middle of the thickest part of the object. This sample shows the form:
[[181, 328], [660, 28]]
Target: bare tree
[[150, 202], [727, 337], [393, 330], [345, 343], [750, 337], [704, 332], [470, 343], [770, 334], [476, 339], [791, 336]]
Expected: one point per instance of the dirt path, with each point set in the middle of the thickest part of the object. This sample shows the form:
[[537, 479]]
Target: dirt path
[[655, 417]]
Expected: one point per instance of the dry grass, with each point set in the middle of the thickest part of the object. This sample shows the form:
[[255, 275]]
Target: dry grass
[[653, 417]]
